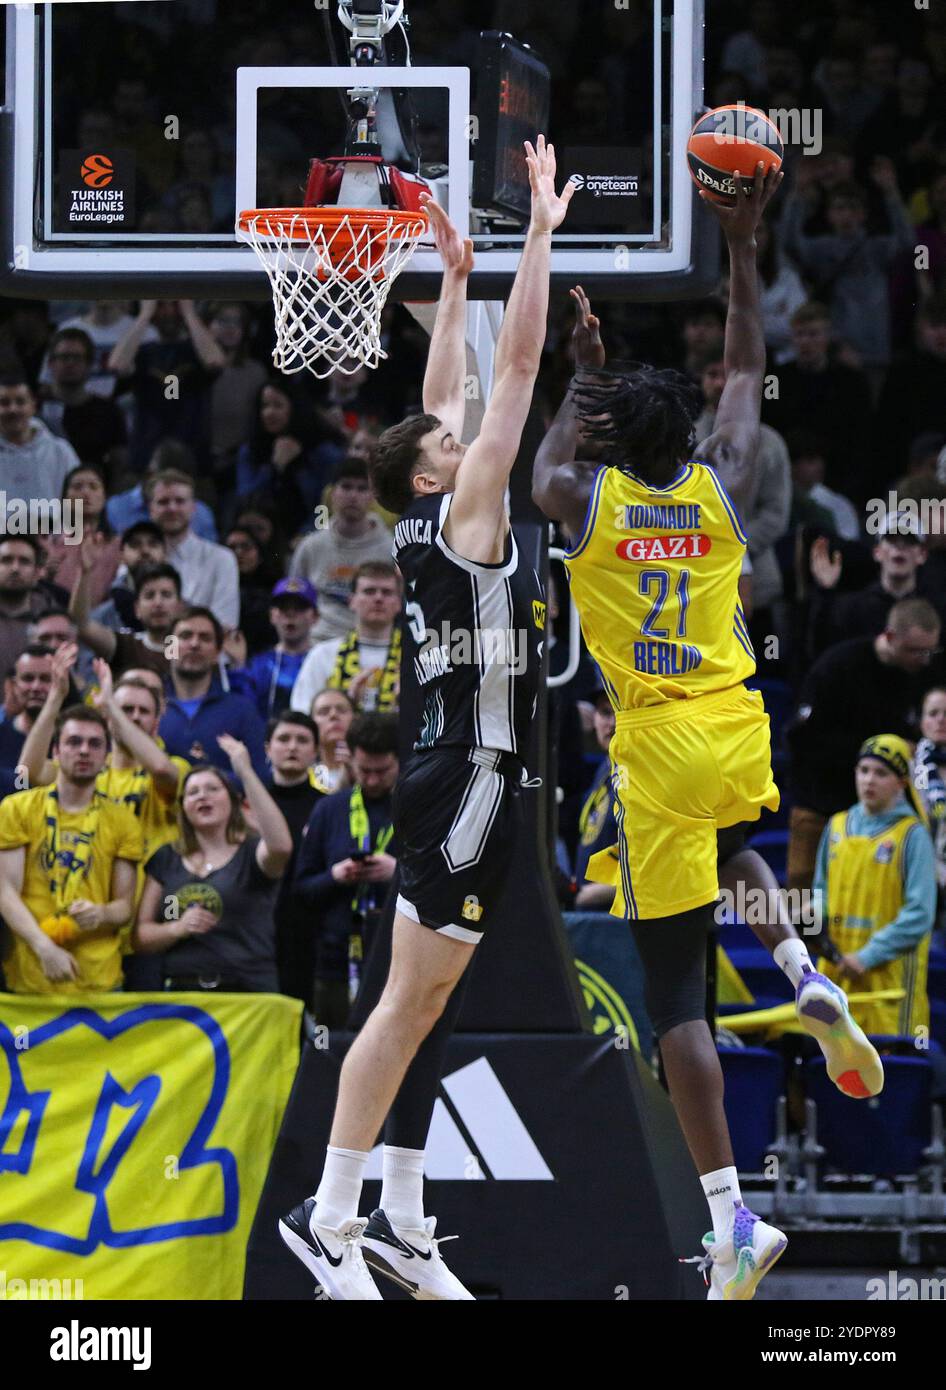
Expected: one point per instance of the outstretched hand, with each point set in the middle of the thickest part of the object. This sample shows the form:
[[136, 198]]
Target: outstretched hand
[[740, 222], [455, 252], [587, 347], [548, 207], [237, 752], [103, 674], [63, 660]]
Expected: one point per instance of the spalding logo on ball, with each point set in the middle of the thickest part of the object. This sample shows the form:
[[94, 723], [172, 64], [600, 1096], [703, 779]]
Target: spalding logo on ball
[[98, 171], [728, 140]]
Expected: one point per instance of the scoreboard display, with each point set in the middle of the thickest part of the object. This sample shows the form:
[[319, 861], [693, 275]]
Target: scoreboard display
[[512, 105]]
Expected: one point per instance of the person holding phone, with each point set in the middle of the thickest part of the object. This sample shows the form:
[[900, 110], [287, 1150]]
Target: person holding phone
[[346, 863]]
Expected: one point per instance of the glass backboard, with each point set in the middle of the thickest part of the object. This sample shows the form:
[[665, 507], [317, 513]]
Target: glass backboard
[[132, 134]]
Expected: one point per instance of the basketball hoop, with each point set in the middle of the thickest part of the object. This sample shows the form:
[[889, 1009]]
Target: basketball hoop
[[331, 269]]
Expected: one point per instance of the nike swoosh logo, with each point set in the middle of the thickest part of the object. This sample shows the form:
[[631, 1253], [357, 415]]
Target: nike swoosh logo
[[402, 1245], [321, 1250]]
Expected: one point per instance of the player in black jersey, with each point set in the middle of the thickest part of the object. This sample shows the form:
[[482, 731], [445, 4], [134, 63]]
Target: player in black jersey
[[477, 612]]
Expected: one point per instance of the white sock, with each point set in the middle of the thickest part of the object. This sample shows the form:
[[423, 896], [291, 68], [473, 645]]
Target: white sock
[[792, 957], [722, 1193], [402, 1187], [340, 1189]]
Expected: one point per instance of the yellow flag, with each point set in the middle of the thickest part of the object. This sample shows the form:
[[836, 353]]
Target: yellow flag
[[135, 1135], [783, 1019], [731, 988]]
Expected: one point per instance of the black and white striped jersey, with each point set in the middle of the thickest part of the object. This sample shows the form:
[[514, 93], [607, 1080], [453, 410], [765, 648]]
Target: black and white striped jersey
[[479, 631]]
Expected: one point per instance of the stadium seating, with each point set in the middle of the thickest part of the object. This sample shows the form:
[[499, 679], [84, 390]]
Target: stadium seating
[[754, 1080], [891, 1130]]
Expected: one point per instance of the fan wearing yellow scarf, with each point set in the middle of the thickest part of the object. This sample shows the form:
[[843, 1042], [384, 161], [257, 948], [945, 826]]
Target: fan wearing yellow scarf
[[366, 663], [67, 852], [138, 772]]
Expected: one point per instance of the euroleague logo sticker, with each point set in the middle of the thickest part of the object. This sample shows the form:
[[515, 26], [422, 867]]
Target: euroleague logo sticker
[[641, 549], [95, 189], [98, 171]]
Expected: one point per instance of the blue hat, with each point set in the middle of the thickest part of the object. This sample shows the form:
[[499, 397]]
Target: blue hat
[[296, 588]]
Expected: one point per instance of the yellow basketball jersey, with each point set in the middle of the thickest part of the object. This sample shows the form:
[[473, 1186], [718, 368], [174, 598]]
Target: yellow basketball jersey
[[864, 892], [655, 575]]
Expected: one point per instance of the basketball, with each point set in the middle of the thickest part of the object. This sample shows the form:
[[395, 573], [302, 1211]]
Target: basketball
[[97, 171], [730, 140]]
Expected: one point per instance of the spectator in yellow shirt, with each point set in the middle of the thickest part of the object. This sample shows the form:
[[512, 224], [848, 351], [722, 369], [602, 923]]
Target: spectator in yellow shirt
[[68, 859], [138, 772]]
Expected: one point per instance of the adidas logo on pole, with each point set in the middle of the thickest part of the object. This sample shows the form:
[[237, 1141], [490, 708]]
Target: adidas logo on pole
[[475, 1118]]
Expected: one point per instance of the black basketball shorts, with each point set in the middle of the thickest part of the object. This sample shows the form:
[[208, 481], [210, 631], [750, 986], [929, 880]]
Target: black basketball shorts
[[457, 823]]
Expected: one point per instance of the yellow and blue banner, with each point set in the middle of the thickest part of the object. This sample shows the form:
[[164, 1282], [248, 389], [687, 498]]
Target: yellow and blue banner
[[135, 1136]]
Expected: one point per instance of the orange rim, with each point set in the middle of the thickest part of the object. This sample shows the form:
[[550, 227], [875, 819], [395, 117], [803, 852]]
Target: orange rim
[[383, 226], [283, 222]]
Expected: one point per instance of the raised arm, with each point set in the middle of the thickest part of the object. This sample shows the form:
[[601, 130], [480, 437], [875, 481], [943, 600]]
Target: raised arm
[[121, 359], [734, 443], [140, 745], [209, 351], [445, 377], [95, 635], [34, 755], [561, 483], [477, 524], [275, 846]]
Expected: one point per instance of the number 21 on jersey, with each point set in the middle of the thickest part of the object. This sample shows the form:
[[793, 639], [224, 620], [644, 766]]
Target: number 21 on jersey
[[656, 584]]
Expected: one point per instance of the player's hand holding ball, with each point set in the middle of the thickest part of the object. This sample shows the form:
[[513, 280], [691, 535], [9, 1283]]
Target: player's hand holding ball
[[741, 221]]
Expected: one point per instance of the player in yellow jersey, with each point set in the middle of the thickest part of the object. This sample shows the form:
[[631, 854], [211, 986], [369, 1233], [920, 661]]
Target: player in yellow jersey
[[654, 569]]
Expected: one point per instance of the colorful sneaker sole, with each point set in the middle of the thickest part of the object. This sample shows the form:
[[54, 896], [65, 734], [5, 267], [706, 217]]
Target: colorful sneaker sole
[[751, 1269], [853, 1062]]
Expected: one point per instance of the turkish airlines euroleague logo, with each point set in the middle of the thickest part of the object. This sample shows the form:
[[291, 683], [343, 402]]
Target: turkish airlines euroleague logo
[[643, 548], [97, 171]]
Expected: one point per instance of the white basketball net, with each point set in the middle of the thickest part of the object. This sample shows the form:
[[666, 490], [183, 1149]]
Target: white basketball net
[[330, 281]]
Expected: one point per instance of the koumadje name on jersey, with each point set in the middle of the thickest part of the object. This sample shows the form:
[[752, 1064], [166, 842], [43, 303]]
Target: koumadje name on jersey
[[482, 646]]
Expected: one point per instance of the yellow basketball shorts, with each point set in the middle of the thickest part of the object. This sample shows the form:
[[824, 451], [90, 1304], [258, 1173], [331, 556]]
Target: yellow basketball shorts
[[680, 772]]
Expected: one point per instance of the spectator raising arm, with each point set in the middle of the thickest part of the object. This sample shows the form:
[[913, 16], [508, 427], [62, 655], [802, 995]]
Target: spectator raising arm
[[140, 745], [211, 354], [96, 636], [121, 359], [275, 846], [34, 755]]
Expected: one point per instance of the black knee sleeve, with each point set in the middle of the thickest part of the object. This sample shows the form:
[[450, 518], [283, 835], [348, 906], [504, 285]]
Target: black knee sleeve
[[673, 954]]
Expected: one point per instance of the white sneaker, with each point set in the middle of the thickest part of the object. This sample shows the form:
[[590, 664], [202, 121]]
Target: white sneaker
[[733, 1268], [331, 1254], [852, 1060], [412, 1259]]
